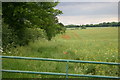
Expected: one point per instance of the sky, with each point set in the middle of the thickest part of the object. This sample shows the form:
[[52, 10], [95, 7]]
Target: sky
[[87, 12]]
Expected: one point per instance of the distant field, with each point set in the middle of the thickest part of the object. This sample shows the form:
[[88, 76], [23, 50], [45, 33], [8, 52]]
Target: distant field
[[91, 44]]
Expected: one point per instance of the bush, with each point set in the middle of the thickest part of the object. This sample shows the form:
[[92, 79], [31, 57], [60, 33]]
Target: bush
[[83, 27], [11, 40]]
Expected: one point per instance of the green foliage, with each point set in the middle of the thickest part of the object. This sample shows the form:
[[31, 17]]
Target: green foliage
[[9, 38], [83, 27], [22, 17], [104, 24], [72, 26]]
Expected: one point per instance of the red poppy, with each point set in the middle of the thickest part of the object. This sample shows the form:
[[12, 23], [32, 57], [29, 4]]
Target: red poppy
[[65, 52]]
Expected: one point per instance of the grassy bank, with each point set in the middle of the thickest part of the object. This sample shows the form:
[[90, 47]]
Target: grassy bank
[[96, 44]]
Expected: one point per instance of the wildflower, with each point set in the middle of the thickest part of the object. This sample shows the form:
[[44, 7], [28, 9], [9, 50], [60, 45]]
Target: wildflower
[[9, 52], [113, 56], [105, 53], [1, 50], [75, 51], [106, 58], [65, 52]]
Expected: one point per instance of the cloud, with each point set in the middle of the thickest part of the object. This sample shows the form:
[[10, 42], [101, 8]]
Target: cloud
[[86, 19], [87, 8], [88, 0], [88, 12]]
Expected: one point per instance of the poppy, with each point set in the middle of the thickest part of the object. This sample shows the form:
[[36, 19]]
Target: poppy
[[65, 52]]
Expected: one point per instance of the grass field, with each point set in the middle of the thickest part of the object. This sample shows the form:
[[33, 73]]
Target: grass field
[[92, 44]]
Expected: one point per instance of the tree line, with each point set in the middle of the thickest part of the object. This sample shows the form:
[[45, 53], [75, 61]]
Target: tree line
[[104, 24]]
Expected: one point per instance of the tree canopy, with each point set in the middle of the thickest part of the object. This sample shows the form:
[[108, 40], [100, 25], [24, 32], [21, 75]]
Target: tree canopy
[[19, 17]]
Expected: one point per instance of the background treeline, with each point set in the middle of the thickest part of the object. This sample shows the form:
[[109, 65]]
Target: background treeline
[[23, 22], [104, 24]]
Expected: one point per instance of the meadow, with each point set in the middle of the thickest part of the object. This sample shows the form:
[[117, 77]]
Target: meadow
[[91, 44]]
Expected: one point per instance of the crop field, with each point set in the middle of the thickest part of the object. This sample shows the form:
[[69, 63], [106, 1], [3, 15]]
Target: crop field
[[91, 44]]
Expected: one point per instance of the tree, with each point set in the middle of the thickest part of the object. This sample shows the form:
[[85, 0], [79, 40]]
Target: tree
[[19, 16]]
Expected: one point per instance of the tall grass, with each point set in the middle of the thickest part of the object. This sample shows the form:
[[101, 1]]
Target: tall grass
[[96, 44]]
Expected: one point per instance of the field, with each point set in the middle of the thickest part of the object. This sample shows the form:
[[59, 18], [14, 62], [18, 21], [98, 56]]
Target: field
[[92, 44]]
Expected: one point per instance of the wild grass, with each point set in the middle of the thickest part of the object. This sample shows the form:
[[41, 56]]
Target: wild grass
[[94, 44]]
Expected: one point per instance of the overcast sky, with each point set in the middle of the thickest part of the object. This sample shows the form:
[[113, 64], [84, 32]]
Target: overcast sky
[[87, 12]]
